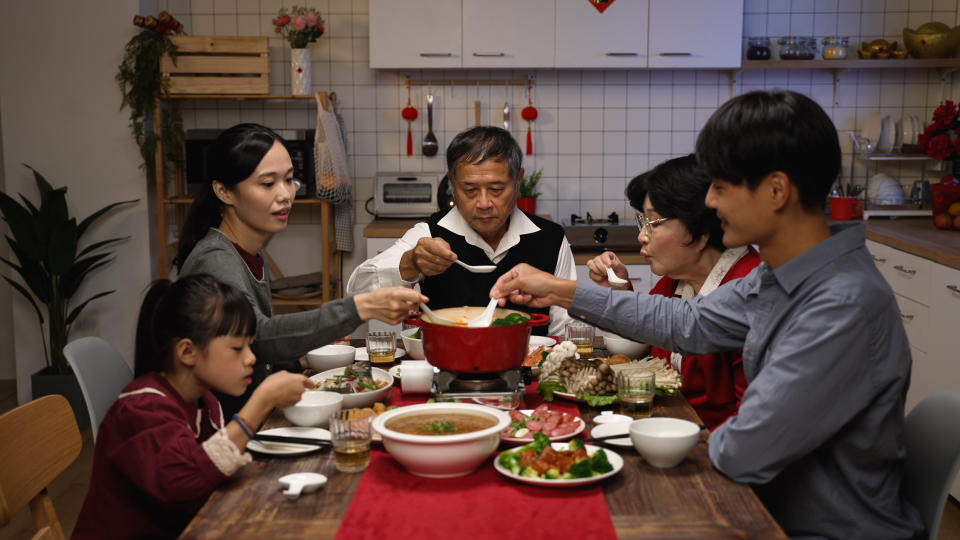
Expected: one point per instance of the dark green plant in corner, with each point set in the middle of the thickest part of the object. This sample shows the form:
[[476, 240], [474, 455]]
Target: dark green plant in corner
[[142, 84], [528, 185], [45, 241]]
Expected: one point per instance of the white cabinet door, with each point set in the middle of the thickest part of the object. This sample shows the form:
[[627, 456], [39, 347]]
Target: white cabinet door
[[695, 33], [414, 34], [616, 38], [944, 353], [506, 33]]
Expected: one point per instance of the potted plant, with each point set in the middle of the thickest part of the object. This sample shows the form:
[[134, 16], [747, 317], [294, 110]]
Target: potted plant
[[300, 26], [45, 239], [527, 200]]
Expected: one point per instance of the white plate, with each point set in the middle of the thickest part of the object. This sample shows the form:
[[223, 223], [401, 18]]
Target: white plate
[[610, 417], [872, 126], [541, 341], [288, 449], [918, 128], [362, 354], [527, 440], [612, 457], [615, 428]]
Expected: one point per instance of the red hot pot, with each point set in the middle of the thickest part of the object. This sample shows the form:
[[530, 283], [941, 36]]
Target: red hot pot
[[475, 350]]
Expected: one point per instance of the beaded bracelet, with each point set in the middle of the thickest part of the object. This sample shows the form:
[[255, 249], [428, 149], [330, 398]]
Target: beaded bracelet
[[243, 426]]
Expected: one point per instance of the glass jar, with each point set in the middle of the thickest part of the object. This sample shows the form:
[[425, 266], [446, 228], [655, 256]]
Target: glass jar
[[758, 48], [809, 48], [791, 47], [836, 47]]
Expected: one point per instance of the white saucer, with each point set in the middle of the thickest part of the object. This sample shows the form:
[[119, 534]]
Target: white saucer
[[616, 428], [610, 417], [541, 341], [362, 354]]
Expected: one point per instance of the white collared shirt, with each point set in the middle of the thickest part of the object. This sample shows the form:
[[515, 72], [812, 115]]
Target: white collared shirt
[[383, 270]]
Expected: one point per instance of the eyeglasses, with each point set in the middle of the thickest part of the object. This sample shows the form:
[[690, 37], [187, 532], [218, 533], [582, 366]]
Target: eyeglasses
[[647, 226]]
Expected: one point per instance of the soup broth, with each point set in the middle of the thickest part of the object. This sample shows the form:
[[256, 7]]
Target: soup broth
[[449, 423]]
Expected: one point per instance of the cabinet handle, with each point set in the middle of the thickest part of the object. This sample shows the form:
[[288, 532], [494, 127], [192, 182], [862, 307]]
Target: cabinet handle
[[486, 54], [435, 54], [878, 260], [676, 54], [906, 317], [954, 288], [622, 54], [904, 270]]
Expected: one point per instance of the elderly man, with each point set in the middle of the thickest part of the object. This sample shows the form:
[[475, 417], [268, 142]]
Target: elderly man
[[484, 228]]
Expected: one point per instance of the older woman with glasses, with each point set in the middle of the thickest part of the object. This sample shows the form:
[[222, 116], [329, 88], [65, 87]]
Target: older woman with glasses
[[681, 239]]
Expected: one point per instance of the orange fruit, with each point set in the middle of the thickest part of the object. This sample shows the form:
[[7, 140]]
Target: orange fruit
[[943, 221], [954, 208]]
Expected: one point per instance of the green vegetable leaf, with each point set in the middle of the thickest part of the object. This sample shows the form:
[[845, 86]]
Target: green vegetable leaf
[[575, 444], [440, 427], [581, 469], [599, 462], [540, 441], [599, 401], [547, 388]]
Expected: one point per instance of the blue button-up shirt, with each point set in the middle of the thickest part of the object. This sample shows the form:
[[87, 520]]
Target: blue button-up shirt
[[819, 430]]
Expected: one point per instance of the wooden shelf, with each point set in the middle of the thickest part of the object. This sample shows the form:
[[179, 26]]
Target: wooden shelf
[[889, 63]]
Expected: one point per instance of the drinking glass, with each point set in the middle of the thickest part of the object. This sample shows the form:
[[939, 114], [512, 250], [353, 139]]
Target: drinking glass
[[581, 334], [381, 347], [635, 390], [350, 434]]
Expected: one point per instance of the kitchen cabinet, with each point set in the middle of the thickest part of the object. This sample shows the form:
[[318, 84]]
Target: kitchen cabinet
[[415, 34], [616, 38], [508, 34], [695, 33]]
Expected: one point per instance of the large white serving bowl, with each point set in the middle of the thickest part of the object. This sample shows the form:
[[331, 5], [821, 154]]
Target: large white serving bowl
[[664, 442], [314, 408], [619, 345], [331, 356], [414, 347], [362, 399], [442, 456]]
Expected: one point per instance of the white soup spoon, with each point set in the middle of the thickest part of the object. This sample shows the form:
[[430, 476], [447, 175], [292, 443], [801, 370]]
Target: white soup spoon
[[614, 279], [484, 319], [480, 269]]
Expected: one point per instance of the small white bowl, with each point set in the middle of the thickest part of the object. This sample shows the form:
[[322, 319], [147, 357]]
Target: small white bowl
[[314, 408], [413, 346], [618, 345], [442, 456], [331, 356], [664, 442], [362, 399]]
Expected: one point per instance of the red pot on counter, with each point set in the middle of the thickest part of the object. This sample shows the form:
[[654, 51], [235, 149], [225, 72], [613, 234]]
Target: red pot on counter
[[475, 350]]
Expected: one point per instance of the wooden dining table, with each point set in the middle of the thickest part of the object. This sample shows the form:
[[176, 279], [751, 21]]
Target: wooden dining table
[[691, 500]]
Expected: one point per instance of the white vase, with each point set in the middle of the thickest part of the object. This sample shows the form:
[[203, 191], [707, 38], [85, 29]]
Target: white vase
[[300, 71]]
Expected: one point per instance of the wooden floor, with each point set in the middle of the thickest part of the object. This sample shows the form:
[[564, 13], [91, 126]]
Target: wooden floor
[[70, 488]]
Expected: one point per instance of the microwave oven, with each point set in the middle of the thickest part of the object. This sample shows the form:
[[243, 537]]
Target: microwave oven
[[407, 195], [299, 143]]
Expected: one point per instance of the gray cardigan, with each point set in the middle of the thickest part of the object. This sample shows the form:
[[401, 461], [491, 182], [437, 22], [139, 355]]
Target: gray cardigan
[[280, 338]]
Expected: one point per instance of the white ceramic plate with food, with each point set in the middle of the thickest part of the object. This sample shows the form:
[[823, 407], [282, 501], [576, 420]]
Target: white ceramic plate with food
[[541, 341], [362, 354], [529, 439], [615, 460], [288, 449], [614, 428], [361, 399]]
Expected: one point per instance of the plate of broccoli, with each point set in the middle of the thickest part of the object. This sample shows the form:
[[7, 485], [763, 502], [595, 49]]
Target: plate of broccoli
[[564, 464]]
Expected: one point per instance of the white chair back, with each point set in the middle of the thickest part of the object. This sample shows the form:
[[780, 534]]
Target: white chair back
[[101, 372]]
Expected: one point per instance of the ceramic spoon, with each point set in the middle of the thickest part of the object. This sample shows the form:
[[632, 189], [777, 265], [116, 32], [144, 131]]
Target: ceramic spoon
[[436, 319], [480, 269], [614, 279], [485, 318]]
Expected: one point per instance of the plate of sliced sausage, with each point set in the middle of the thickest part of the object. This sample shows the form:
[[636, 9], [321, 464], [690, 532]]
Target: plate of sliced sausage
[[558, 426]]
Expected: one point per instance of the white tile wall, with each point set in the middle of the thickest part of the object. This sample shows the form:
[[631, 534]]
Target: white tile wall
[[596, 129]]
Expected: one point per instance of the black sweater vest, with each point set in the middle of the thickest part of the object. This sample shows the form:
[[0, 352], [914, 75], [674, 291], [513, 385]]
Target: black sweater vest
[[459, 287]]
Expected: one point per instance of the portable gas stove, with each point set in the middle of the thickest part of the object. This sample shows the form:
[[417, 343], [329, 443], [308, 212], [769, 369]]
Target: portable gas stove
[[503, 389]]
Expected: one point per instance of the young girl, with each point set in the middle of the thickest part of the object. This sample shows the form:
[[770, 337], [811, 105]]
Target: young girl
[[247, 200], [165, 445]]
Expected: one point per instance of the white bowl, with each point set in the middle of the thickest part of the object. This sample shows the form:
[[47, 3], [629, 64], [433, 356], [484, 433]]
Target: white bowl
[[314, 408], [442, 456], [413, 346], [363, 399], [664, 442], [331, 356], [885, 190], [618, 345]]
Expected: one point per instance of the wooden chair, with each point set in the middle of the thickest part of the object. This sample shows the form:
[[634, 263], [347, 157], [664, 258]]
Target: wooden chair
[[38, 440]]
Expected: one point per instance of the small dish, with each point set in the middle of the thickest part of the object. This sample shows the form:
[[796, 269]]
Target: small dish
[[610, 417], [288, 449], [616, 428], [541, 341], [303, 482], [527, 440]]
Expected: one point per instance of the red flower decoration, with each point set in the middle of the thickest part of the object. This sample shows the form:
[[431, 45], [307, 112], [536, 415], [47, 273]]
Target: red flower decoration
[[939, 139], [940, 147]]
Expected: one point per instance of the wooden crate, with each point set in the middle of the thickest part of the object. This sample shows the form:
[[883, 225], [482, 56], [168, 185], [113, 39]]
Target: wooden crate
[[218, 65]]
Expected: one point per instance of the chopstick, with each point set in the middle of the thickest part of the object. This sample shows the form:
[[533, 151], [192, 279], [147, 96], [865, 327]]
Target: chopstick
[[291, 440]]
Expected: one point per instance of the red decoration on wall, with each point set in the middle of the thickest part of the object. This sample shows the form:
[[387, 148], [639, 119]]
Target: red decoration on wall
[[529, 113], [600, 4], [409, 113]]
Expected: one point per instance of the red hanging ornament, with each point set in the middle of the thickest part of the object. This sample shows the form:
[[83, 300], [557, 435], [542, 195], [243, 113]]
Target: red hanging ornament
[[409, 113], [529, 113]]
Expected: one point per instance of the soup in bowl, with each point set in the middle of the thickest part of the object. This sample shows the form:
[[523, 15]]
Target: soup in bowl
[[441, 440]]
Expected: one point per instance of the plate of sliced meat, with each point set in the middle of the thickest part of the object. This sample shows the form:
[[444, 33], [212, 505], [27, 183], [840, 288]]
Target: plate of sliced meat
[[558, 426]]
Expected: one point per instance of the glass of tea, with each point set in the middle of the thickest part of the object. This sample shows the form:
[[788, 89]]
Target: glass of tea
[[581, 334], [635, 390], [381, 347], [350, 434]]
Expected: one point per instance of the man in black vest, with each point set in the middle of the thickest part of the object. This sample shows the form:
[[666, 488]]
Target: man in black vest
[[484, 228]]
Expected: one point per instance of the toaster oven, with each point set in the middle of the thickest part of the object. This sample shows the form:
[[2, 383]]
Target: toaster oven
[[405, 195]]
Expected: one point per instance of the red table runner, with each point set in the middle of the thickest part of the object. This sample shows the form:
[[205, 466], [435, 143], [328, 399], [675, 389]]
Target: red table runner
[[391, 503]]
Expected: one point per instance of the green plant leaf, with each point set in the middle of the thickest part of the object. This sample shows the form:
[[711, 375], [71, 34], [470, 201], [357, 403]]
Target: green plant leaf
[[23, 226], [97, 245], [82, 228], [63, 247], [26, 295], [42, 185], [76, 311], [32, 272], [78, 272]]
